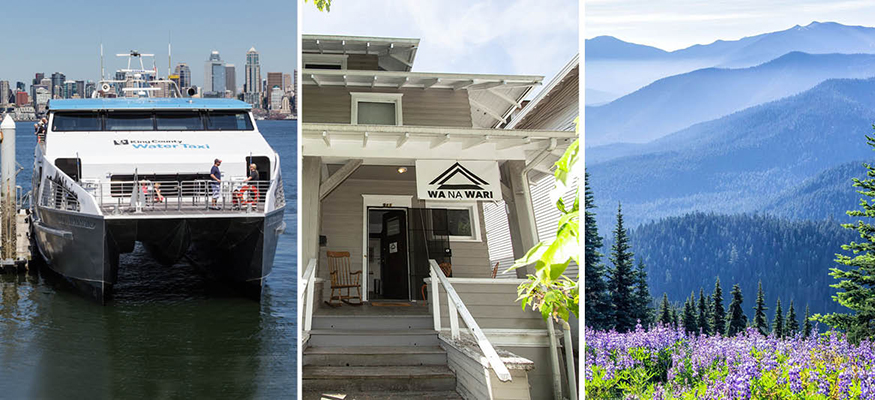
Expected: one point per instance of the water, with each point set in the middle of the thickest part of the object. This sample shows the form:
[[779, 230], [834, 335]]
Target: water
[[168, 333]]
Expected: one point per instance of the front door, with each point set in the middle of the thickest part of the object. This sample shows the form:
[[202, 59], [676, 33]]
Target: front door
[[393, 255]]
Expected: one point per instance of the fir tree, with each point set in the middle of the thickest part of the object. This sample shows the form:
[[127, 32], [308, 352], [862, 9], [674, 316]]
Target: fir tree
[[778, 322], [736, 321], [856, 283], [806, 326], [665, 311], [642, 297], [791, 325], [622, 278], [718, 315], [759, 318], [596, 297], [689, 315], [702, 318]]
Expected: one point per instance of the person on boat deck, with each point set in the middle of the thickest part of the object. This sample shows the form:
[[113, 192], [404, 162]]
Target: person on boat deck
[[216, 175], [158, 197], [40, 130], [253, 173]]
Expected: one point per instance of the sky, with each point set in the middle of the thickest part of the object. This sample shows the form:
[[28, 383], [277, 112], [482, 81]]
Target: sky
[[65, 36], [677, 24], [522, 37]]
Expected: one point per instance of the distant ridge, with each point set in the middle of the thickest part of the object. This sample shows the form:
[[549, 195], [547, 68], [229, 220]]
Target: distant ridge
[[674, 103]]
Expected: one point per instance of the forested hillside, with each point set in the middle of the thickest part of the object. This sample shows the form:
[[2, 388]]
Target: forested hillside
[[791, 258]]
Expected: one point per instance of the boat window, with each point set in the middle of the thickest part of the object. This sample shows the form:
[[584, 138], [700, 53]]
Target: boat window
[[129, 121], [76, 121], [228, 121], [179, 121]]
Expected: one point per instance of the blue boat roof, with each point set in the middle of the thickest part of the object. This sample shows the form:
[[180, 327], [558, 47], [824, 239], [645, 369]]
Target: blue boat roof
[[147, 104]]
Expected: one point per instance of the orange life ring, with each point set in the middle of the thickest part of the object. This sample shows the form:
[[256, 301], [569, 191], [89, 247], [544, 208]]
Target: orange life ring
[[253, 194]]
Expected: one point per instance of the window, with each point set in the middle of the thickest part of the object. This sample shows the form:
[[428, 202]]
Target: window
[[129, 121], [324, 61], [76, 121], [376, 109], [460, 221], [228, 121], [179, 121]]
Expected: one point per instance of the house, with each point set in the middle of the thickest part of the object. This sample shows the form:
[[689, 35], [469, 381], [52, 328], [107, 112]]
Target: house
[[397, 167]]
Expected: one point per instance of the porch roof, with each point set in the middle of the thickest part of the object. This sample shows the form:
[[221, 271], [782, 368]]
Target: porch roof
[[493, 97], [403, 145], [394, 54]]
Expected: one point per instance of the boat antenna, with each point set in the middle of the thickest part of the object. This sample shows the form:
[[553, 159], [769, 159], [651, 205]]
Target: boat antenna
[[102, 72], [169, 68]]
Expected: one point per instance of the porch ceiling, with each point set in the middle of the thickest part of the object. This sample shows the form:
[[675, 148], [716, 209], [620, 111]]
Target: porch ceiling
[[394, 54], [394, 146], [492, 97]]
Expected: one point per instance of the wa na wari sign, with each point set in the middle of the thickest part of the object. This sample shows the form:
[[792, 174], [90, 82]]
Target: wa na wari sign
[[457, 180]]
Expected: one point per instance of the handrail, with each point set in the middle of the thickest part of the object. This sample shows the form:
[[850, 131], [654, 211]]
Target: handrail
[[306, 293], [457, 307]]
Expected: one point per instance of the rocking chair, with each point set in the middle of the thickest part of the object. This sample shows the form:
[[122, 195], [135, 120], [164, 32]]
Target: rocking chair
[[342, 278]]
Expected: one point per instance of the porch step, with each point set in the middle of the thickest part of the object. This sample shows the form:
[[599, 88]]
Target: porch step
[[432, 395], [345, 356], [357, 322], [371, 380], [370, 338]]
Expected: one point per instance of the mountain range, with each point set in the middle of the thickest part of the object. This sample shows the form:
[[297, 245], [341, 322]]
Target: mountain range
[[743, 162], [619, 67], [673, 103]]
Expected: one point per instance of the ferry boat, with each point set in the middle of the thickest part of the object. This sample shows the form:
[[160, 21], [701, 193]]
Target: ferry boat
[[111, 172]]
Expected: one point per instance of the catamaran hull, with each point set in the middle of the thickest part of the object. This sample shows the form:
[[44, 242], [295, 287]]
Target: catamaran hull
[[85, 249]]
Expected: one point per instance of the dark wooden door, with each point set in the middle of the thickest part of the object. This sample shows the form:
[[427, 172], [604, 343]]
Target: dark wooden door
[[393, 255]]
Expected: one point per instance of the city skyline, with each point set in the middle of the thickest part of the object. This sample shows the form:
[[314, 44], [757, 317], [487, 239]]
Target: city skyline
[[77, 53]]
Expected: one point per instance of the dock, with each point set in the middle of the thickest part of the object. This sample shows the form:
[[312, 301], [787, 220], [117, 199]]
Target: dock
[[14, 242]]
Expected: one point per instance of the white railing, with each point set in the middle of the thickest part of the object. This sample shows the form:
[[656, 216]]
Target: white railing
[[305, 293], [146, 195], [456, 308]]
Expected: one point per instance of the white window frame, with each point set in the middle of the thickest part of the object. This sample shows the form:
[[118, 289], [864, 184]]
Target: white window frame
[[325, 59], [369, 97], [473, 208]]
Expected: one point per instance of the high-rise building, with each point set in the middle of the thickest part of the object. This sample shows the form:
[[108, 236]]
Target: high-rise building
[[90, 88], [214, 76], [21, 86], [42, 98], [80, 89], [21, 98], [184, 73], [5, 93], [69, 89], [231, 79], [275, 79], [58, 80], [252, 73], [287, 83], [276, 98], [37, 80]]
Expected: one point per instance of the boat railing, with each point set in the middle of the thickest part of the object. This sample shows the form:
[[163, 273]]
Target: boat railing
[[306, 294], [456, 307], [56, 195], [144, 195]]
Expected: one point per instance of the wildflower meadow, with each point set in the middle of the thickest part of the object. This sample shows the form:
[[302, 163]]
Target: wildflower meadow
[[667, 363]]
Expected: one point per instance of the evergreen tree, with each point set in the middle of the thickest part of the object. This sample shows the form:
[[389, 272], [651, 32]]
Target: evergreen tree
[[759, 318], [596, 295], [689, 315], [791, 325], [806, 326], [665, 311], [736, 321], [702, 318], [622, 278], [642, 297], [778, 322], [718, 315], [856, 283]]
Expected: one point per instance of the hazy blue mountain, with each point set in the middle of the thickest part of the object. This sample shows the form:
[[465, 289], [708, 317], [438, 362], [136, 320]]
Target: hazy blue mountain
[[742, 162], [609, 47], [620, 67], [597, 97], [676, 102], [827, 195], [791, 258]]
